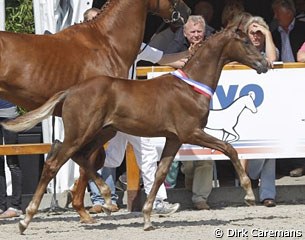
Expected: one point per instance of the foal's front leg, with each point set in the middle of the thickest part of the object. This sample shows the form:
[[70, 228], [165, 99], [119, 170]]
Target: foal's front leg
[[169, 152], [200, 138]]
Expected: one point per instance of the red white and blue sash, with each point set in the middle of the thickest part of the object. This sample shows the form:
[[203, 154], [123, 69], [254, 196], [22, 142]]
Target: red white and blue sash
[[198, 86]]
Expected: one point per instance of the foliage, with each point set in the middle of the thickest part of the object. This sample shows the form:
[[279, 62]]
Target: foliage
[[20, 17]]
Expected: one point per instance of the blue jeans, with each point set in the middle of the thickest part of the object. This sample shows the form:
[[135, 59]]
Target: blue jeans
[[109, 176], [263, 169]]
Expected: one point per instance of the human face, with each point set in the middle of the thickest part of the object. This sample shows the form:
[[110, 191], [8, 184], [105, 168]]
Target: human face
[[256, 36], [194, 32], [283, 16]]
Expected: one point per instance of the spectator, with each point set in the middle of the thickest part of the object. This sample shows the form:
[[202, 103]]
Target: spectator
[[7, 111], [198, 174], [288, 38], [262, 169], [301, 54], [161, 40], [289, 35], [206, 10], [261, 37], [146, 153], [192, 33]]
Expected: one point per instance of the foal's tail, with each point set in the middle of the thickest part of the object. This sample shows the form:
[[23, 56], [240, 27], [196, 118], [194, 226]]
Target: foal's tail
[[30, 119]]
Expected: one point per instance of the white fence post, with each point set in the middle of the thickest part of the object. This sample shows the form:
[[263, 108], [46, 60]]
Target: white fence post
[[2, 15]]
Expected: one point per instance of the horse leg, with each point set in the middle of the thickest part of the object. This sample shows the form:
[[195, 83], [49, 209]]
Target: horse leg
[[200, 138], [169, 152], [56, 158], [78, 195], [95, 160], [78, 192]]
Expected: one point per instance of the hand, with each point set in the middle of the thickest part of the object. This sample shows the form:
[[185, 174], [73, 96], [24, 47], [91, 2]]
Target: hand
[[193, 47], [260, 28]]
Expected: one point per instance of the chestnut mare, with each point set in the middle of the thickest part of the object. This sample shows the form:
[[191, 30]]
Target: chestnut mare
[[166, 106], [34, 67]]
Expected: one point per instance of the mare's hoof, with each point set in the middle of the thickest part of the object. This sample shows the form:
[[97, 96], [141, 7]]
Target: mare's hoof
[[88, 221], [22, 227], [148, 227]]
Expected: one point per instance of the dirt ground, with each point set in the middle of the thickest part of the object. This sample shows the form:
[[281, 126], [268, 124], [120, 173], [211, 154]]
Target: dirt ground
[[234, 222]]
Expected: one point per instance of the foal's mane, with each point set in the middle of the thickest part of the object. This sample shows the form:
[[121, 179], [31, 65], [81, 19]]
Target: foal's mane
[[207, 41]]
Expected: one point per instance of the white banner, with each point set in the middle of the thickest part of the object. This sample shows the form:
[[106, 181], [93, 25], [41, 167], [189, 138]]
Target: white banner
[[271, 125]]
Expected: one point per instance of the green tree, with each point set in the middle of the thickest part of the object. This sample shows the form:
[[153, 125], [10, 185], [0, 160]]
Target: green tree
[[20, 19], [20, 16]]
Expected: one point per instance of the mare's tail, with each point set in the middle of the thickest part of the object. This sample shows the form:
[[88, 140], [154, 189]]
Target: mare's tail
[[30, 119]]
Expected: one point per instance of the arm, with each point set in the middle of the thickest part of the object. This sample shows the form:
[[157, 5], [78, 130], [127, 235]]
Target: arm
[[301, 54], [175, 60], [270, 49]]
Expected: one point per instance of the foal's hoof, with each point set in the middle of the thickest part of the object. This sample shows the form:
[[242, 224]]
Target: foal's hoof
[[106, 211], [250, 202], [88, 221], [148, 227], [22, 227]]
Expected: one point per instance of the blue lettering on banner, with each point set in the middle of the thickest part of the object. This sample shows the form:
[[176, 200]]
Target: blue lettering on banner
[[226, 98]]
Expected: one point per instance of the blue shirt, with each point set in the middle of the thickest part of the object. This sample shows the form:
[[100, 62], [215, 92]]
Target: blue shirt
[[5, 104]]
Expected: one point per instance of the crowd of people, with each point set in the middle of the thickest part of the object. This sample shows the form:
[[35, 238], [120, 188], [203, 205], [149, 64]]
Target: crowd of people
[[282, 39]]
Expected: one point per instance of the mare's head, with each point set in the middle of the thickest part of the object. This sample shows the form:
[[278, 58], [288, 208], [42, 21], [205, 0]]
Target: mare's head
[[239, 48], [175, 12]]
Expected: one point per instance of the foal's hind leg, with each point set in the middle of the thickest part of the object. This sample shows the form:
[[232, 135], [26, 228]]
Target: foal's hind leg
[[169, 152], [199, 137], [51, 167], [96, 160]]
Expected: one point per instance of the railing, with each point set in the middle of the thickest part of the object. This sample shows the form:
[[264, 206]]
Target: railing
[[24, 149]]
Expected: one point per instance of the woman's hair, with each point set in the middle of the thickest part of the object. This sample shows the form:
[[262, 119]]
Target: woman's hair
[[255, 19]]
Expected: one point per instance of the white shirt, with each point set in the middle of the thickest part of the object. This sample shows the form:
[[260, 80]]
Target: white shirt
[[149, 54]]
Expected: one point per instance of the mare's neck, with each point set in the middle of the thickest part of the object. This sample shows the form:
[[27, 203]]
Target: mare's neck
[[119, 27]]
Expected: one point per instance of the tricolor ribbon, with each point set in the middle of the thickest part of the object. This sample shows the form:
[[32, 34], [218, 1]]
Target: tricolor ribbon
[[198, 86]]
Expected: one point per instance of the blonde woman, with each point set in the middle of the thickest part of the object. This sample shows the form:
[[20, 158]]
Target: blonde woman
[[260, 35], [262, 170]]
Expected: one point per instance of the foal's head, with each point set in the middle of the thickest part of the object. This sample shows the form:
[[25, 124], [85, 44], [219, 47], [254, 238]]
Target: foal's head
[[239, 48]]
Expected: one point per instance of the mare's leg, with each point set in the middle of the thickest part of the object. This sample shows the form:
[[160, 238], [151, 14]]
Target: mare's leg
[[169, 152], [56, 158], [200, 138]]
